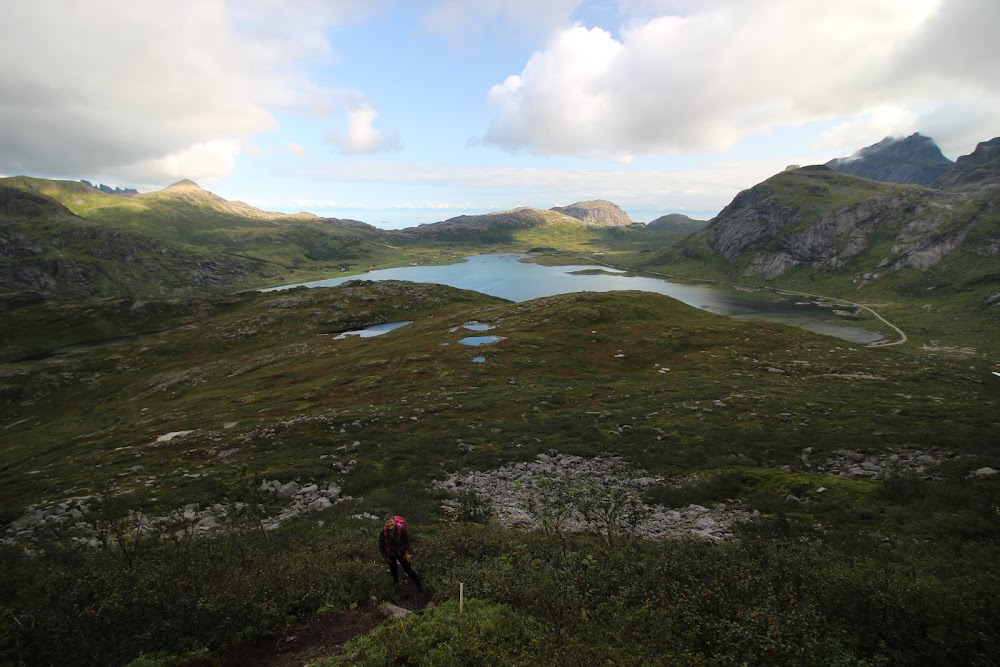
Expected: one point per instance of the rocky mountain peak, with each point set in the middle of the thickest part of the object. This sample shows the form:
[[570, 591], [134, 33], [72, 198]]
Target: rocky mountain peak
[[185, 184], [914, 159], [596, 212], [979, 168]]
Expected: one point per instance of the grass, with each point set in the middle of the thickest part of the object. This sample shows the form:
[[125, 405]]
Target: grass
[[571, 370]]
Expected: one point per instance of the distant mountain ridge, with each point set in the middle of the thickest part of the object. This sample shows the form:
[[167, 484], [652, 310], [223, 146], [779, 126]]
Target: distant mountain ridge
[[914, 159], [676, 222], [593, 213]]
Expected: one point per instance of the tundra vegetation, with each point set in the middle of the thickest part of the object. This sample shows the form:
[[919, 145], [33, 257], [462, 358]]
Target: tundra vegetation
[[210, 398], [184, 470]]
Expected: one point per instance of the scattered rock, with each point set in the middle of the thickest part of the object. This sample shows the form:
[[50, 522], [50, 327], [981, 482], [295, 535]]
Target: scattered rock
[[390, 610]]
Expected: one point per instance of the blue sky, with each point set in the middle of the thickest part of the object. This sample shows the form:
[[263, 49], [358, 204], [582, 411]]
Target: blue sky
[[402, 112]]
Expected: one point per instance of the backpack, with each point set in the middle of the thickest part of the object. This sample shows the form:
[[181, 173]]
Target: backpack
[[400, 531], [400, 525]]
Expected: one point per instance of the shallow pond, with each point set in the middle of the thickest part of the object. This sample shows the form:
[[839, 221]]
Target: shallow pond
[[374, 330], [476, 341]]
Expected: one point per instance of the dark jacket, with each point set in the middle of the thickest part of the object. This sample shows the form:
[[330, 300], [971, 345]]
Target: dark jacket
[[395, 542]]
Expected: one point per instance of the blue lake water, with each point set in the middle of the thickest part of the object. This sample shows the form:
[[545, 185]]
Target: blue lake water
[[503, 275]]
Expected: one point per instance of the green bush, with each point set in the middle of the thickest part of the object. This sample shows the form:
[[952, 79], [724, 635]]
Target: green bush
[[484, 634]]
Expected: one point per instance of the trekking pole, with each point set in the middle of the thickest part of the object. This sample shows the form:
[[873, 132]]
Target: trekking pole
[[461, 599]]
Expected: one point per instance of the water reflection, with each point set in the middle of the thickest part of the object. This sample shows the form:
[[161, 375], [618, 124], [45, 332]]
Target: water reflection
[[374, 330]]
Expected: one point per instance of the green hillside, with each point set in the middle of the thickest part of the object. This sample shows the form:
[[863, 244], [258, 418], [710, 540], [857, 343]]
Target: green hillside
[[208, 399], [295, 247]]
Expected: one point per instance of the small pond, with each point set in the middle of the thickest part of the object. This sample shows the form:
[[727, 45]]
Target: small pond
[[374, 330], [476, 341]]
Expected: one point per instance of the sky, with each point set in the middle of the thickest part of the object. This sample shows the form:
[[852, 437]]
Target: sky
[[402, 112]]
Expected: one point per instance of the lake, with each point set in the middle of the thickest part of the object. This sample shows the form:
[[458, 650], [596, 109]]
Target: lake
[[505, 276]]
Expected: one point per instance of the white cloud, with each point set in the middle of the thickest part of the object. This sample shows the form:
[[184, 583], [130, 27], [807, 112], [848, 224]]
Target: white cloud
[[868, 128], [361, 137], [144, 89], [209, 160], [715, 73]]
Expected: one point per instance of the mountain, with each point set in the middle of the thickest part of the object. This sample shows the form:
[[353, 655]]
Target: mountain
[[676, 222], [914, 159], [45, 248], [596, 212], [518, 218], [979, 169], [816, 225], [188, 219], [816, 218]]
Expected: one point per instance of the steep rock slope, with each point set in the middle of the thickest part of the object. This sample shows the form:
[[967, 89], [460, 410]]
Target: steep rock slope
[[823, 220], [914, 159]]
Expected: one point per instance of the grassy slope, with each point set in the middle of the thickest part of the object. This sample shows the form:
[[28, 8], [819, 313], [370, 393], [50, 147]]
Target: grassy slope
[[297, 247], [556, 381]]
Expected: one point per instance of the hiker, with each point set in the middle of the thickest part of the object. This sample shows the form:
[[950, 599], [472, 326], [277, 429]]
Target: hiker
[[394, 545]]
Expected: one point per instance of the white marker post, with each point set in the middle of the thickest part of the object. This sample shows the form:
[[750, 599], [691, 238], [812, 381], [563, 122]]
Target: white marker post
[[461, 599]]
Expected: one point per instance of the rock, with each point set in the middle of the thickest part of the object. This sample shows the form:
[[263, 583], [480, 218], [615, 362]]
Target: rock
[[288, 490], [320, 504], [390, 610], [984, 472]]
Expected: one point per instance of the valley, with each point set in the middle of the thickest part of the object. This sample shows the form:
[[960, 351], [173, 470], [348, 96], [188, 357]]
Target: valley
[[187, 462]]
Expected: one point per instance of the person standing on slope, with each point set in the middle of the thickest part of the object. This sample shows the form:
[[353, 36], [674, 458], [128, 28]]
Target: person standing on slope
[[394, 545]]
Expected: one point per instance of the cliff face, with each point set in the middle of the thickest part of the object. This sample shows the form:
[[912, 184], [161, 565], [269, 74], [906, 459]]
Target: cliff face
[[915, 159], [817, 218]]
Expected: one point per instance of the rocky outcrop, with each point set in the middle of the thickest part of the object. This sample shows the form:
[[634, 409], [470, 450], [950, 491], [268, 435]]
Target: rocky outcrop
[[83, 514], [522, 494], [914, 159], [598, 212], [814, 217]]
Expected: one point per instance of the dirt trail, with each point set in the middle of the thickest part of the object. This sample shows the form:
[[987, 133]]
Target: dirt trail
[[319, 636]]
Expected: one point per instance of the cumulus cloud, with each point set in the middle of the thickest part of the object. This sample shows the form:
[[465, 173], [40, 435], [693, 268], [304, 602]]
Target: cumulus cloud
[[868, 128], [360, 136], [150, 89], [710, 74]]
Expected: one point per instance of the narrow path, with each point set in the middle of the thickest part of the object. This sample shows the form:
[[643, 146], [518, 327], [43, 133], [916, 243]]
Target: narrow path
[[902, 334]]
